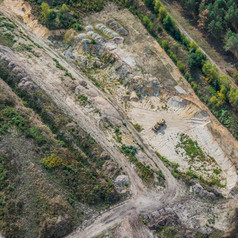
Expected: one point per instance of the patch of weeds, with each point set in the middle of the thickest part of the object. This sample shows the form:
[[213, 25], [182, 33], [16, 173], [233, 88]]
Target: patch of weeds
[[95, 82], [9, 118], [36, 133], [58, 65], [69, 75], [118, 133], [191, 148], [83, 99], [24, 47], [7, 25], [216, 171], [188, 175], [144, 221], [7, 39], [138, 127], [144, 171]]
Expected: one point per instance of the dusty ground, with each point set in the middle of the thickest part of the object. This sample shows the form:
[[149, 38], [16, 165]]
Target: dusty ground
[[189, 117], [144, 57]]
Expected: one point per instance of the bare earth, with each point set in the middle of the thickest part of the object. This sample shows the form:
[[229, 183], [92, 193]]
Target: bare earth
[[183, 113]]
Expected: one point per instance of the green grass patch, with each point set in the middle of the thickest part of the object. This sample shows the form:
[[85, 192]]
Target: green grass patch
[[138, 127]]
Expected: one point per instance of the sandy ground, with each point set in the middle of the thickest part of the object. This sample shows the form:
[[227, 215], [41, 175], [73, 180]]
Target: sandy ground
[[179, 117], [188, 120]]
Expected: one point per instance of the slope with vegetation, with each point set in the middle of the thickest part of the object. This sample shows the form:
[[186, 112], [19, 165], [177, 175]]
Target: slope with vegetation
[[55, 176], [51, 170]]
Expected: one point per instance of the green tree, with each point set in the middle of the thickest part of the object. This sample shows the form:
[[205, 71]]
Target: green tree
[[196, 59], [45, 10], [233, 98], [65, 8], [210, 71], [157, 6], [231, 40], [169, 24], [165, 45], [162, 13], [215, 27]]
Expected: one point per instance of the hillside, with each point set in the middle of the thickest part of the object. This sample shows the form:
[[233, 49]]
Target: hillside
[[81, 87]]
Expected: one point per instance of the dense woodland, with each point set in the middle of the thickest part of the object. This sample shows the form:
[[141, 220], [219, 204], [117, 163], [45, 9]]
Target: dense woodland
[[219, 18]]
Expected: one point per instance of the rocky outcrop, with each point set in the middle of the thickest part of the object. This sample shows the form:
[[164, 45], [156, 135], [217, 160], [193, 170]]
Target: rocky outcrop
[[146, 87], [168, 219], [117, 27], [134, 97], [56, 227], [198, 189], [111, 169], [16, 72], [122, 180], [105, 30]]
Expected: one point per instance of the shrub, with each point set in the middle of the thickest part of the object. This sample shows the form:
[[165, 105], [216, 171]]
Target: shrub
[[77, 27], [162, 13], [64, 8], [165, 45], [53, 161], [160, 29], [45, 10], [169, 24], [35, 132], [196, 59], [138, 127], [180, 66]]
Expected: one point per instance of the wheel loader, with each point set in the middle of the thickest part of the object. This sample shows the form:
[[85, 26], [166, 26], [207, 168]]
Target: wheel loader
[[158, 125]]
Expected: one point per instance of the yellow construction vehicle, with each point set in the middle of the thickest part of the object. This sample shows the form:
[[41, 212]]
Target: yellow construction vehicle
[[158, 125]]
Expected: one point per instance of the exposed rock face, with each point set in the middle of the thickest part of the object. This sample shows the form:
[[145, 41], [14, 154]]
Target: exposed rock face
[[150, 87], [117, 27], [177, 102], [126, 97], [56, 227], [89, 28], [197, 188], [72, 86], [83, 83], [134, 97], [122, 180], [18, 74], [69, 54], [105, 30], [111, 169], [169, 219], [104, 155], [27, 84]]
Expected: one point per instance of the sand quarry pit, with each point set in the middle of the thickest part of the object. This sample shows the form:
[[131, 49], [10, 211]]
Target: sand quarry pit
[[187, 126], [183, 119]]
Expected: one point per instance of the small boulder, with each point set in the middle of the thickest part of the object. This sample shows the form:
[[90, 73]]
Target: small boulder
[[89, 28], [105, 156], [126, 97], [134, 97], [72, 86], [122, 180]]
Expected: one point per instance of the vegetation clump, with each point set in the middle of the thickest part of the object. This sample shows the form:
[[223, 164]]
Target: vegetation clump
[[144, 171], [53, 161]]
